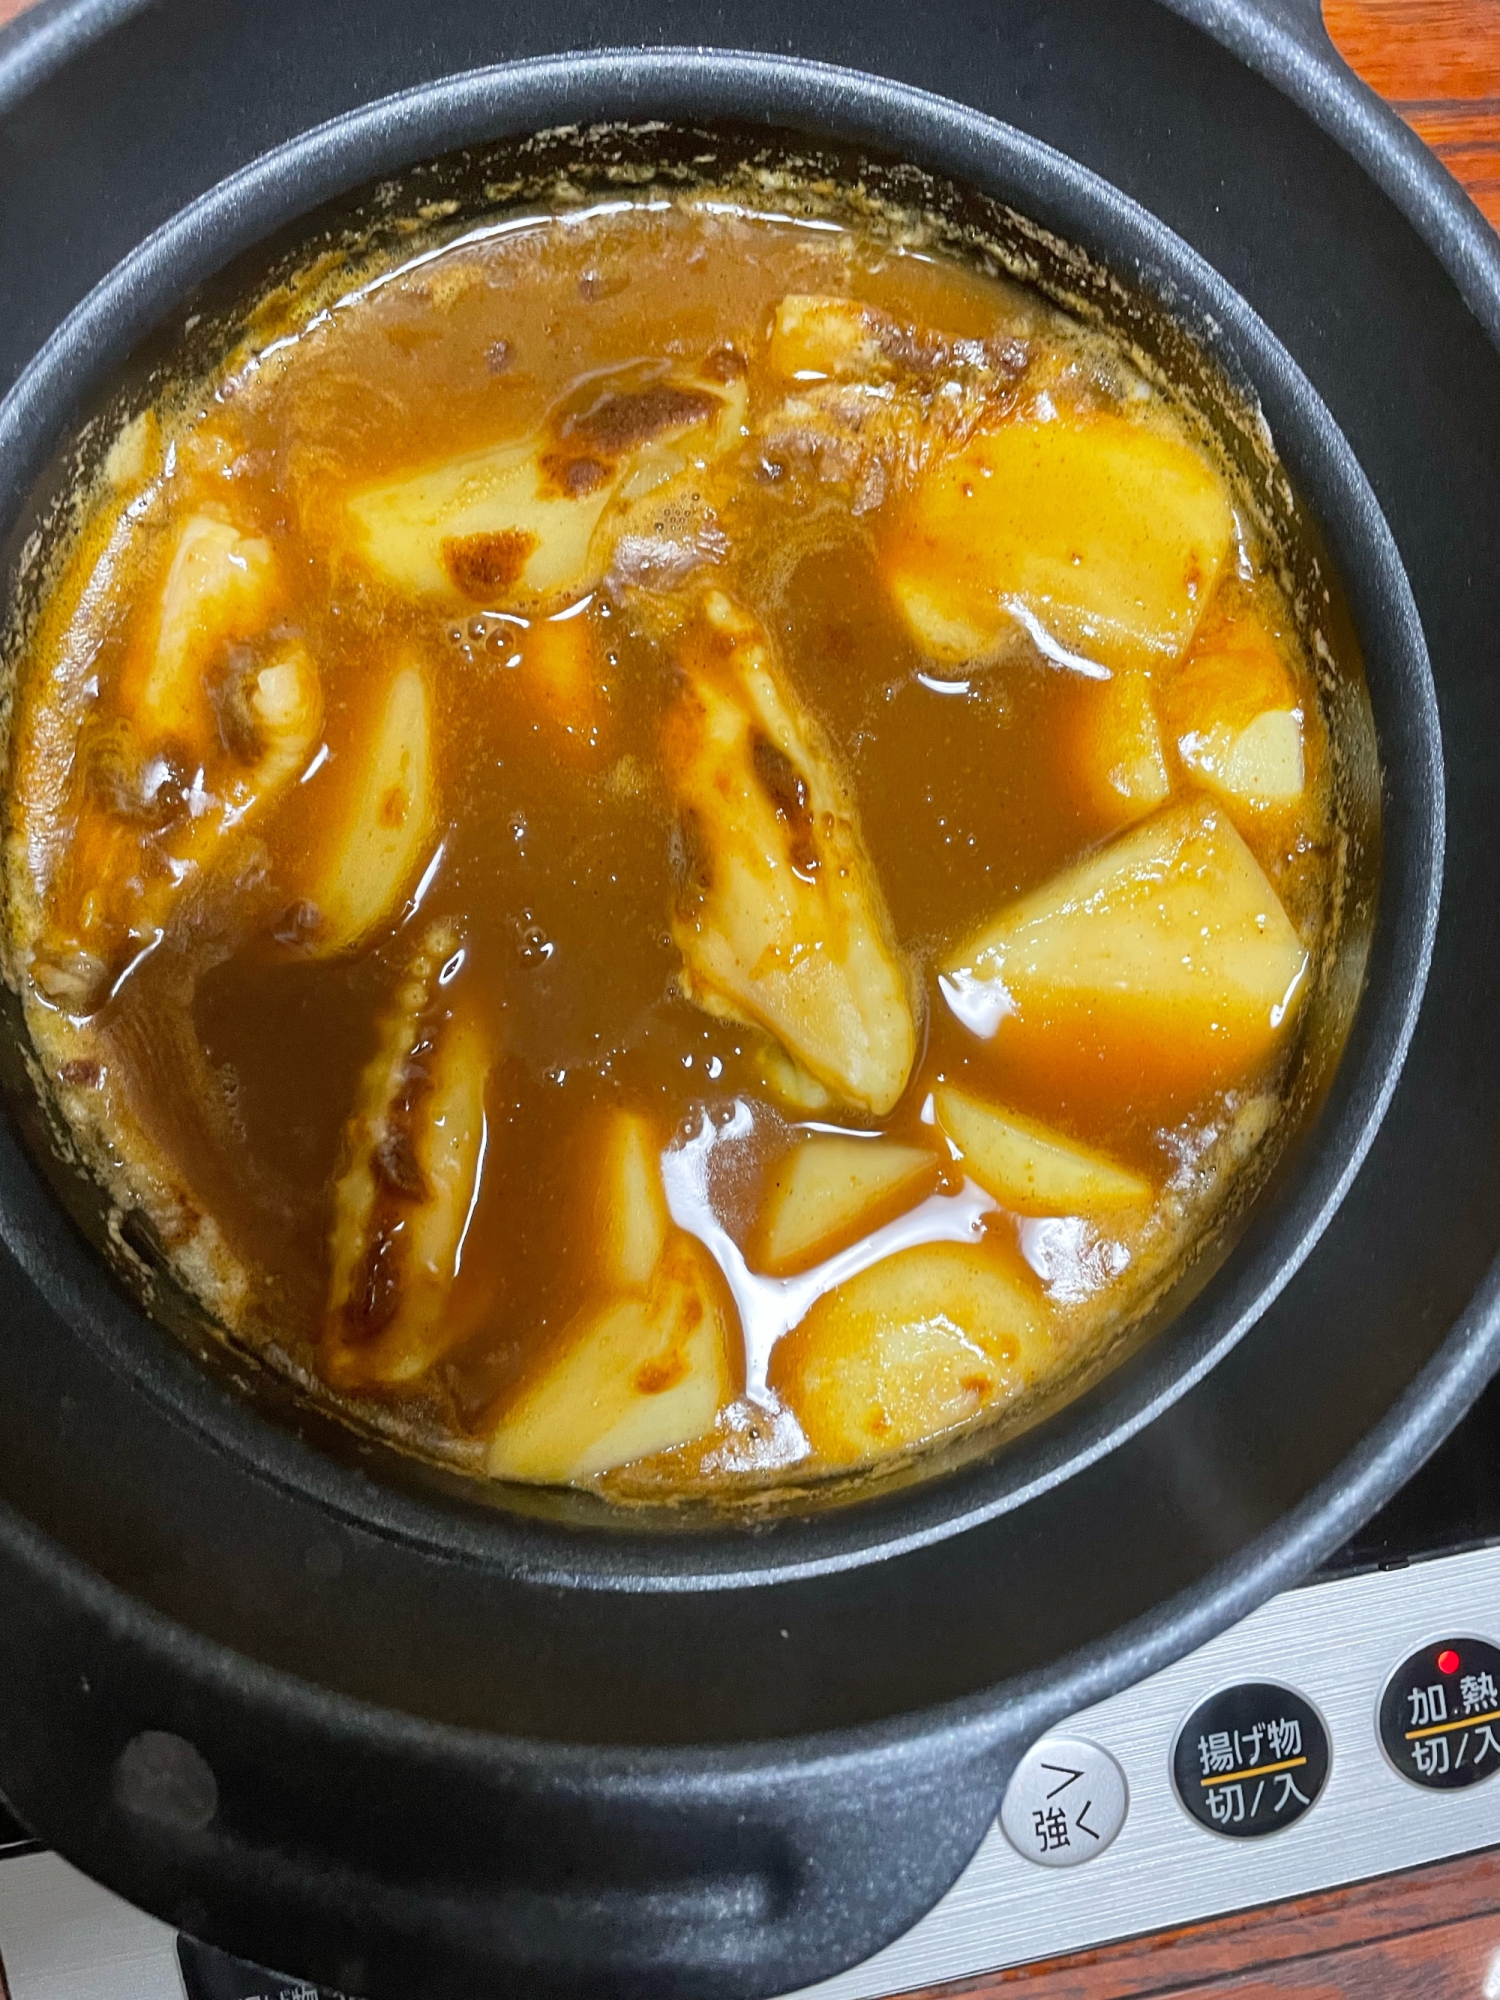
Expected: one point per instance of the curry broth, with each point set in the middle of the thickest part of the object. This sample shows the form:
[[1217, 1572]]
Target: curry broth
[[258, 1057]]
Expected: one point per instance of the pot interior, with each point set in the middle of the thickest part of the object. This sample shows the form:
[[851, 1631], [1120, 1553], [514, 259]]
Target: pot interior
[[1227, 373]]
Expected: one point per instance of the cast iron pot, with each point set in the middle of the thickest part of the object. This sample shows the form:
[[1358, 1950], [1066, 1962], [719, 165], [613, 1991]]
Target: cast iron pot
[[309, 1703]]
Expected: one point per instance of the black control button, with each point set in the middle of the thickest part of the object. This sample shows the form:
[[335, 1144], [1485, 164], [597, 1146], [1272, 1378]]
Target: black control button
[[1251, 1760], [1440, 1715]]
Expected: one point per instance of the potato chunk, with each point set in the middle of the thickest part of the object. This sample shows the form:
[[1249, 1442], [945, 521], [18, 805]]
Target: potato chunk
[[1234, 712], [1161, 962], [386, 823], [1095, 534], [917, 1345], [631, 1220], [561, 657], [1029, 1169], [830, 1190], [1259, 765], [647, 1364], [1118, 749], [414, 1153], [528, 523], [779, 918], [638, 1376]]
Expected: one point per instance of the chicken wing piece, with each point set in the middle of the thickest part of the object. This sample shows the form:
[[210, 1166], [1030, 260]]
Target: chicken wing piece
[[647, 1364], [778, 915], [413, 1158], [869, 400], [209, 722], [528, 525], [218, 586]]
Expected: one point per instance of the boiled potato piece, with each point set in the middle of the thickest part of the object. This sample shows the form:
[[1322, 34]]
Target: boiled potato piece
[[562, 658], [830, 1190], [487, 528], [385, 825], [636, 1376], [413, 1157], [217, 590], [914, 1346], [779, 918], [645, 1366], [1101, 536], [1118, 750], [1028, 1168], [1234, 712], [1161, 961], [632, 1224], [526, 523], [1260, 764]]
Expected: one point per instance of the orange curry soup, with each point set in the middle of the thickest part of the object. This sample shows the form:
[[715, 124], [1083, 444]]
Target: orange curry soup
[[670, 848]]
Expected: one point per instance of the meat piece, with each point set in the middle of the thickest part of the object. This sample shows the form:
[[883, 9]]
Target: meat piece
[[869, 401], [779, 917], [413, 1156], [207, 724], [219, 588]]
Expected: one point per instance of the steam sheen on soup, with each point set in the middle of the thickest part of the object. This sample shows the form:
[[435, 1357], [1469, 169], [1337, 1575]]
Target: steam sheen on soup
[[671, 847]]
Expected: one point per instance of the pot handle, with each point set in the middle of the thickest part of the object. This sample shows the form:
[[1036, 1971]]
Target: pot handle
[[768, 1888], [723, 1886]]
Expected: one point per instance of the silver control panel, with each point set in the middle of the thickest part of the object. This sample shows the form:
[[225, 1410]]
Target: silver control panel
[[1342, 1731], [1288, 1755]]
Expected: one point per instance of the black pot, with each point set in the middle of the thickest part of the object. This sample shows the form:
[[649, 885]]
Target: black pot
[[308, 1700]]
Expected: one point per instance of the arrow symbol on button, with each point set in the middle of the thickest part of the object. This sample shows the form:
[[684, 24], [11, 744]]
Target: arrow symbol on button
[[1072, 1778]]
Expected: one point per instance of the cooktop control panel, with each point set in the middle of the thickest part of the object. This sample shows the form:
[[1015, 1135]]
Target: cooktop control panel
[[1342, 1731]]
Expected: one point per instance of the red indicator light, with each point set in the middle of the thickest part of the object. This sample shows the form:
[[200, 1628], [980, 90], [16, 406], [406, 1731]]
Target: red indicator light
[[1447, 1661]]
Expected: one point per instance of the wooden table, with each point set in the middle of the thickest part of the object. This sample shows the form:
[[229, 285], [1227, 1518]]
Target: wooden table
[[1432, 1933]]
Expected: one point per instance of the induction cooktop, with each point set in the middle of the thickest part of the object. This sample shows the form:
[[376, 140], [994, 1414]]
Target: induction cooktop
[[1347, 1728]]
